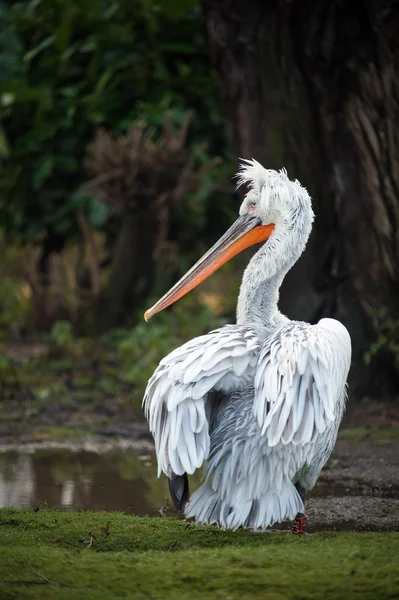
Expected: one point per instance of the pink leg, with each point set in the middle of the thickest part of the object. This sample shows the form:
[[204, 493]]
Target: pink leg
[[299, 524]]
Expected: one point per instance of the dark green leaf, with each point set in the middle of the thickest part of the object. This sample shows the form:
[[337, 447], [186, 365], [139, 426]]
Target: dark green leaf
[[43, 171]]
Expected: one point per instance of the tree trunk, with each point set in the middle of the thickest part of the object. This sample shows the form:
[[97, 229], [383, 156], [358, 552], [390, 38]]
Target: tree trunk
[[131, 272], [312, 85]]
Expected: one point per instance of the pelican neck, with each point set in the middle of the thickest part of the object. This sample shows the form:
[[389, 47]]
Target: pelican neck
[[258, 302]]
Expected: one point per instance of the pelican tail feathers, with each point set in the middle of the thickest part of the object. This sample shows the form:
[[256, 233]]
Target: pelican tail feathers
[[273, 506]]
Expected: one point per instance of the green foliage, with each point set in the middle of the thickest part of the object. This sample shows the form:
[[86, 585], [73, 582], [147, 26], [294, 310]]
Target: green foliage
[[7, 371], [14, 305], [67, 68], [387, 341], [141, 349], [14, 293], [61, 334], [102, 377], [111, 555]]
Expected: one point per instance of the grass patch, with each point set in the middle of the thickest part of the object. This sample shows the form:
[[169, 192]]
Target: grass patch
[[49, 554], [58, 433], [374, 433]]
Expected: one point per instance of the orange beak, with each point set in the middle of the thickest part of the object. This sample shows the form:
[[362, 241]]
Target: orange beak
[[245, 232]]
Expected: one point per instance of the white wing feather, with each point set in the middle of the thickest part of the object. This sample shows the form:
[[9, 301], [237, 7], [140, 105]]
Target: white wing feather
[[300, 378], [175, 400]]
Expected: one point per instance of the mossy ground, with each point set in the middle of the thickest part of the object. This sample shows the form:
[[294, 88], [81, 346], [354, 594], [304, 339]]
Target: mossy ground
[[372, 433], [49, 554]]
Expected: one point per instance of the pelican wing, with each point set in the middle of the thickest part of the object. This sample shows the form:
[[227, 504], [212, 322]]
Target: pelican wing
[[300, 380], [176, 399]]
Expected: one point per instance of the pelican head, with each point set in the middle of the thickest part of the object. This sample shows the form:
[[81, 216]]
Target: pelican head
[[276, 211], [272, 196]]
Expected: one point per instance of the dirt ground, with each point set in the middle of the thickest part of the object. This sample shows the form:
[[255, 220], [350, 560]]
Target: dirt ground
[[359, 487]]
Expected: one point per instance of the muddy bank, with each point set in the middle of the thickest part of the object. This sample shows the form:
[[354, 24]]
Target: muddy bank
[[353, 513], [364, 467], [359, 487]]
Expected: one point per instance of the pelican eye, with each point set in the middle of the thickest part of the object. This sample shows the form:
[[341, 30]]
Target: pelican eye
[[251, 206]]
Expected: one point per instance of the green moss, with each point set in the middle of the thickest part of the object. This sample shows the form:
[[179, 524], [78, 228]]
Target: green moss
[[51, 554], [58, 433], [378, 435]]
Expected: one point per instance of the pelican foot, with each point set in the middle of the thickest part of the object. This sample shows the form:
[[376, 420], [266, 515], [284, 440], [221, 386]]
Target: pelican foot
[[299, 524]]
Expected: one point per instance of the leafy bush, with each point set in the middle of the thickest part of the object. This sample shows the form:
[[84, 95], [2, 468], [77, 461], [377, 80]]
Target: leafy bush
[[61, 368], [61, 335], [387, 342], [14, 304], [141, 349], [69, 67]]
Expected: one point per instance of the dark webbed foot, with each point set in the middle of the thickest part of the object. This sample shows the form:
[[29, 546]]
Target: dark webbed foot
[[179, 491]]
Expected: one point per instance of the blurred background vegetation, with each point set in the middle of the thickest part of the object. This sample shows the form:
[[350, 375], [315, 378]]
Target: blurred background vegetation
[[119, 132], [111, 124], [115, 174]]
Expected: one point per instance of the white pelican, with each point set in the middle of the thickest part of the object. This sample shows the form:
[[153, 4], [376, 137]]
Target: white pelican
[[261, 400]]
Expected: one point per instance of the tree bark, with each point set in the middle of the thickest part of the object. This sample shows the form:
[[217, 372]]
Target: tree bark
[[312, 85], [131, 273]]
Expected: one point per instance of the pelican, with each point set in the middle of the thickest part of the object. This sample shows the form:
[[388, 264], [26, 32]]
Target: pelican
[[262, 400]]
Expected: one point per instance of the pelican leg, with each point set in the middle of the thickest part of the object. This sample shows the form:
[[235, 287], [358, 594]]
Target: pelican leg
[[179, 491], [299, 523]]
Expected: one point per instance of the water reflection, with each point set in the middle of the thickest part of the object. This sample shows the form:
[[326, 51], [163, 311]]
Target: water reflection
[[83, 480]]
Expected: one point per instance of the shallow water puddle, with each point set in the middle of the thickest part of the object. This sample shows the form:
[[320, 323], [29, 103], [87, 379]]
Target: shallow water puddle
[[81, 481]]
